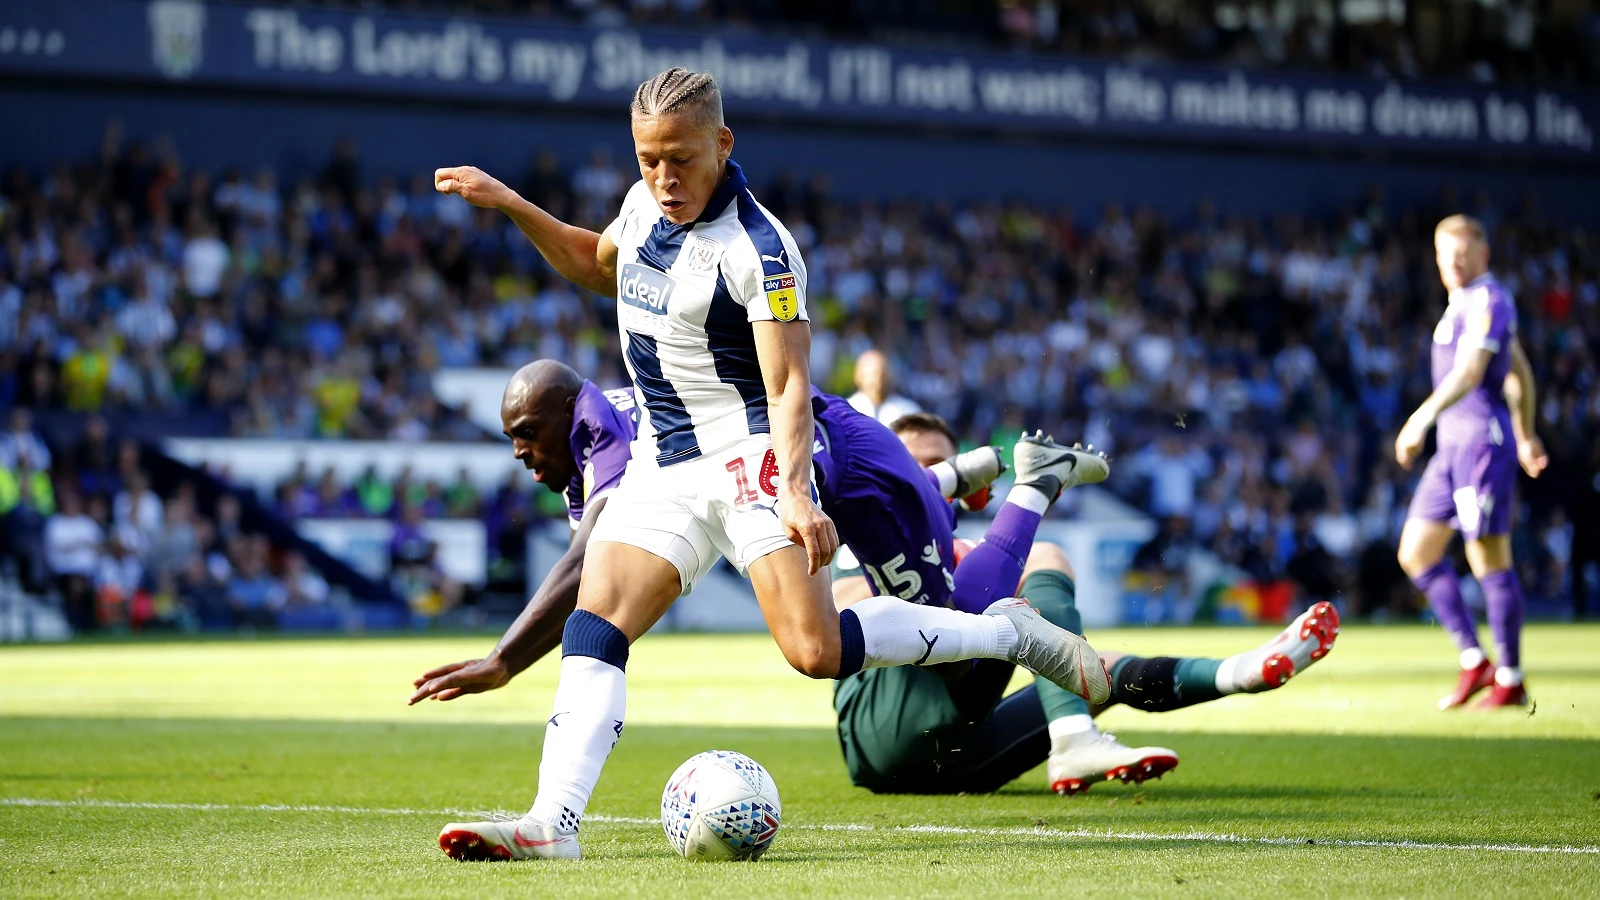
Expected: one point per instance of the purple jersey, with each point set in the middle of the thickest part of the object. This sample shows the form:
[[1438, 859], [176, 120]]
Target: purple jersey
[[886, 511], [603, 426], [1480, 316]]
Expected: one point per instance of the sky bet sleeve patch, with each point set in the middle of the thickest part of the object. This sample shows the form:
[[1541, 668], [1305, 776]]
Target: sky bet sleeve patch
[[781, 298]]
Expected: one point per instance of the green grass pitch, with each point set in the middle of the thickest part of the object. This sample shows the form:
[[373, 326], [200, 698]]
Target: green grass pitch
[[293, 768]]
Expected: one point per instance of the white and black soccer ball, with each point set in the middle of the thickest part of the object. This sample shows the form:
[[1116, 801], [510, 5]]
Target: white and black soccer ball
[[720, 805]]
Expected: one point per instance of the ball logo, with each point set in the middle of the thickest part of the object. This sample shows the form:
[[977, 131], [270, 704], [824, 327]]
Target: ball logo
[[645, 288]]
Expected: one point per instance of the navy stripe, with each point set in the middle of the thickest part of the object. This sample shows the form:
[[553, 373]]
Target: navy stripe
[[675, 438], [769, 245], [852, 644], [587, 634], [660, 250], [733, 184], [732, 342]]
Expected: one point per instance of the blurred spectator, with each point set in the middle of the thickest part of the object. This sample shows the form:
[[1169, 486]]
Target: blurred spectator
[[27, 501], [414, 568], [461, 498], [1174, 469], [874, 394], [73, 542], [1160, 573], [200, 593], [176, 543], [374, 494], [253, 594], [1583, 508], [305, 587], [94, 458], [21, 446], [138, 508]]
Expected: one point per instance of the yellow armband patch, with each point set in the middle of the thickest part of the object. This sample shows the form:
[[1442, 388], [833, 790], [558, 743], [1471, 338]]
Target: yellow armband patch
[[782, 298]]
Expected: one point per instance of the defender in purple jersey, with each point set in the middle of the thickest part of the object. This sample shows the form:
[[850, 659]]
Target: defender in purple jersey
[[1483, 405], [574, 438]]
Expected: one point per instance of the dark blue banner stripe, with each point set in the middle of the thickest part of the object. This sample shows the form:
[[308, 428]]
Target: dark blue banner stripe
[[282, 47]]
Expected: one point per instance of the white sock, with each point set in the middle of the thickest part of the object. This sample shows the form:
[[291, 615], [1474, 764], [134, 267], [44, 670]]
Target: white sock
[[1069, 730], [1029, 498], [1508, 676], [586, 723], [946, 474], [1471, 658], [1227, 683], [897, 633]]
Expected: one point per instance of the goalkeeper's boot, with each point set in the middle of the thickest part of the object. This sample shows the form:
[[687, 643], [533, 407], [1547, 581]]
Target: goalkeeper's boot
[[1468, 684], [507, 840], [1051, 468], [1082, 760], [1306, 640], [1053, 653]]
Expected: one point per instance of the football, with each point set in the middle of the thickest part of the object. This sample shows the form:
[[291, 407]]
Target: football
[[720, 805]]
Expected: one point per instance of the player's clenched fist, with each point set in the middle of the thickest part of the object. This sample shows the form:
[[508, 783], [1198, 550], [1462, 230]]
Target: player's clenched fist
[[473, 185]]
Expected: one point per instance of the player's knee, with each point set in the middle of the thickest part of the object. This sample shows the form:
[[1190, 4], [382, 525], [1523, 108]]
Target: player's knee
[[1044, 556], [1415, 560], [813, 658]]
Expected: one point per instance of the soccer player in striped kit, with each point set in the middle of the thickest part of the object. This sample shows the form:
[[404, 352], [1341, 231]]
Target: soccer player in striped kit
[[711, 305], [1483, 398]]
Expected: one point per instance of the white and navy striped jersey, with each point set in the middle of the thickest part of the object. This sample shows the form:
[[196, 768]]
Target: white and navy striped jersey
[[686, 295]]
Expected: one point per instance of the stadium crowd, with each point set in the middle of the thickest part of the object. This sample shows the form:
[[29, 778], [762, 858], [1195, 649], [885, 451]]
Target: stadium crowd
[[88, 523], [1247, 374], [1493, 40]]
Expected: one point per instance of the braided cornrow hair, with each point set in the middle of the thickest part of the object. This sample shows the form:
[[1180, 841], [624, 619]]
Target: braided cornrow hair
[[678, 90]]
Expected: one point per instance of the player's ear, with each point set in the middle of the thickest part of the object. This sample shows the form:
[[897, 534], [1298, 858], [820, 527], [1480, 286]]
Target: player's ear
[[724, 143]]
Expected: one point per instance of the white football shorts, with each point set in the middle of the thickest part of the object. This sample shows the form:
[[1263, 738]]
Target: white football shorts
[[691, 513]]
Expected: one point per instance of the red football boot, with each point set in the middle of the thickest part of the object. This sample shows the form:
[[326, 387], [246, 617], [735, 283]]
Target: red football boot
[[1503, 696], [1471, 682]]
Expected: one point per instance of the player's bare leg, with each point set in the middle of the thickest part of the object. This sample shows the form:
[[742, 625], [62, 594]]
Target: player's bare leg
[[624, 591]]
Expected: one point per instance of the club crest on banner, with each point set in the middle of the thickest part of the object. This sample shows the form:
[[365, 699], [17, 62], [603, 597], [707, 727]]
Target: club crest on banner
[[177, 36]]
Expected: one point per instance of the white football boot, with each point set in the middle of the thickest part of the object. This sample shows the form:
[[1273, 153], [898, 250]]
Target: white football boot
[[1271, 665], [1042, 463], [1054, 653], [1076, 765], [508, 839]]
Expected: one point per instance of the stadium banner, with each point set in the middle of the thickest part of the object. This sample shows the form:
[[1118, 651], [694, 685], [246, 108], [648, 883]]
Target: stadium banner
[[444, 59]]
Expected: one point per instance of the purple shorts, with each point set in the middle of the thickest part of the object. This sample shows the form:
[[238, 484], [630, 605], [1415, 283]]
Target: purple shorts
[[1473, 487]]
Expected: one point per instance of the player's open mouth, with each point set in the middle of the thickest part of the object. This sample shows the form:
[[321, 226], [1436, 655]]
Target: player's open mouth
[[671, 206]]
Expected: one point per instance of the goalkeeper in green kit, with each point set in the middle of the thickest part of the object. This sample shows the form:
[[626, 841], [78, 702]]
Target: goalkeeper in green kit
[[952, 728]]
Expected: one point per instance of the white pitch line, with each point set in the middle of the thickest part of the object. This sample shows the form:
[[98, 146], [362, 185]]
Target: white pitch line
[[1199, 837]]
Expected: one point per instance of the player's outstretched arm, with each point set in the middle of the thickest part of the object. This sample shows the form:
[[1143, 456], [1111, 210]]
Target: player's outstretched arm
[[1467, 374], [536, 632], [784, 351], [583, 257], [1522, 397]]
